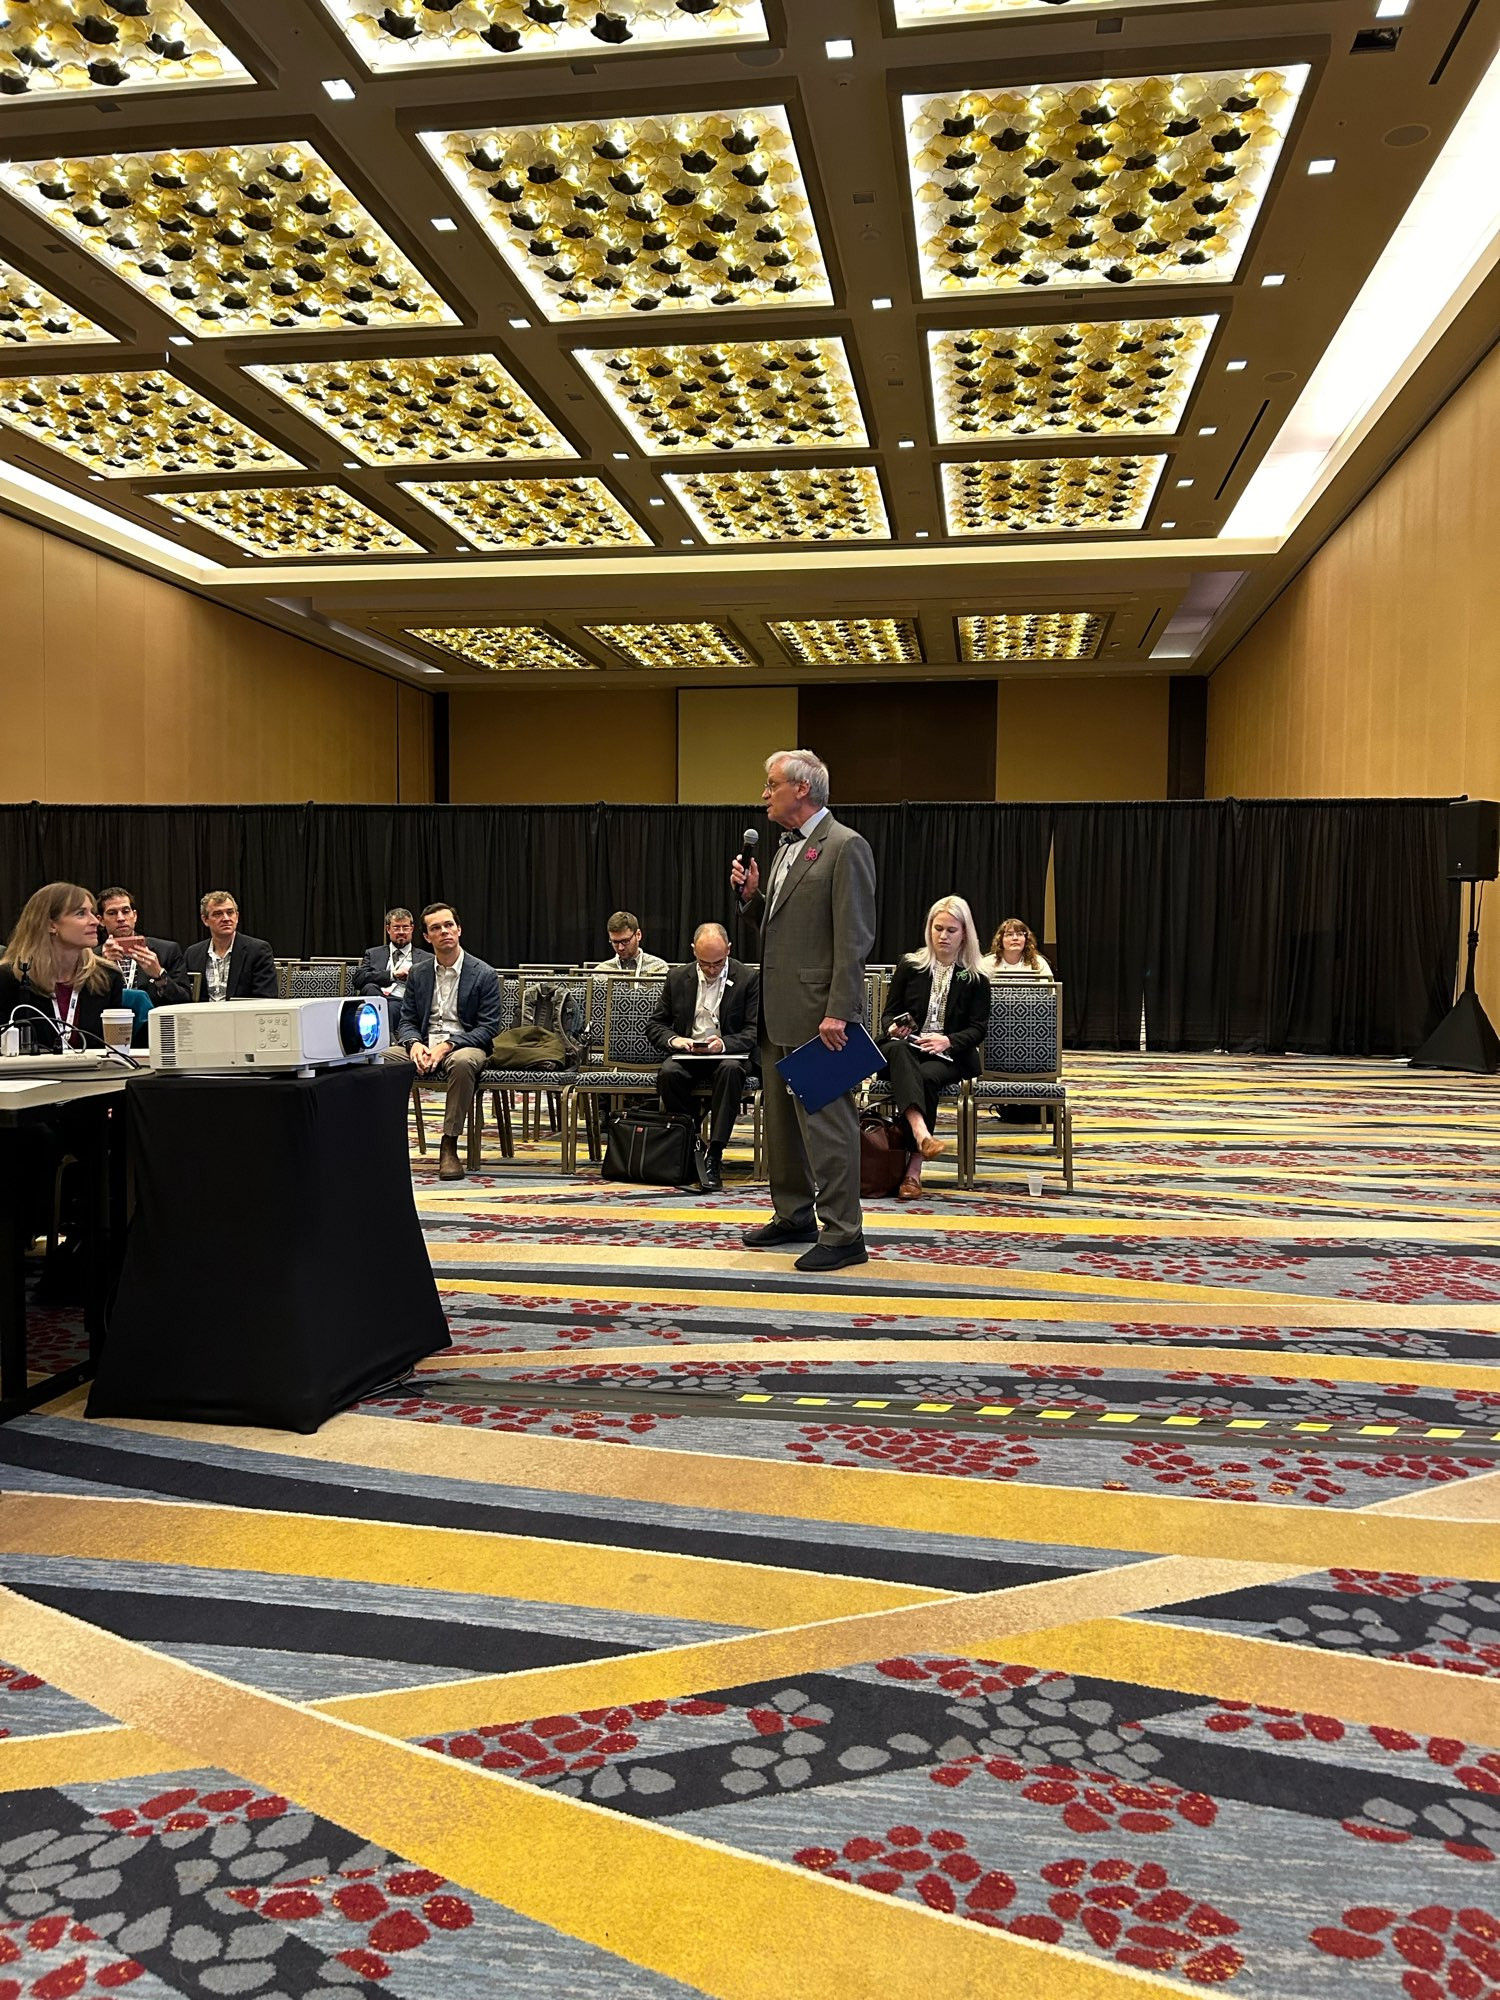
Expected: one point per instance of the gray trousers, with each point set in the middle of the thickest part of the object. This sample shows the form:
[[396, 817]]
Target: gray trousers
[[812, 1156], [459, 1069]]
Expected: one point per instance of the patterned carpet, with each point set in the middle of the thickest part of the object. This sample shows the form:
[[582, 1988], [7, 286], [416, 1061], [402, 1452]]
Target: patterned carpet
[[1091, 1595]]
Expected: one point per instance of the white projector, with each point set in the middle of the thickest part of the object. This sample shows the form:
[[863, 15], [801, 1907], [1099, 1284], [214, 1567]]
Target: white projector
[[267, 1034]]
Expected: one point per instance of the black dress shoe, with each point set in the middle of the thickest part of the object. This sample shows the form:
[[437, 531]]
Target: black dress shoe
[[833, 1256], [710, 1182], [771, 1235]]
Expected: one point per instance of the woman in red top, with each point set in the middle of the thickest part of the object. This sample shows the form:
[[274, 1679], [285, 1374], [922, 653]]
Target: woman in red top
[[51, 978]]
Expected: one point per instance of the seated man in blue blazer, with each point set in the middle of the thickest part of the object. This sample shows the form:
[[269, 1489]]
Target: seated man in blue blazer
[[385, 968], [450, 1016], [708, 1011]]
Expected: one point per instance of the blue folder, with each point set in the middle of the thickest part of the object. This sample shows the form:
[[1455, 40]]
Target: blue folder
[[818, 1074]]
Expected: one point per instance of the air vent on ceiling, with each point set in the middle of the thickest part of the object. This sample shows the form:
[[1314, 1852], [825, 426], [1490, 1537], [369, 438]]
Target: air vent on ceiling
[[1375, 41]]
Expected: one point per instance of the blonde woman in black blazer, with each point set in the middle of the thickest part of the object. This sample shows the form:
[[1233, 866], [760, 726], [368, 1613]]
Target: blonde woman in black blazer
[[933, 1026]]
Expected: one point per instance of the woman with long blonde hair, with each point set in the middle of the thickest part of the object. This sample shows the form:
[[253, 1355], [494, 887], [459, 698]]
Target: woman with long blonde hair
[[50, 967], [933, 1027]]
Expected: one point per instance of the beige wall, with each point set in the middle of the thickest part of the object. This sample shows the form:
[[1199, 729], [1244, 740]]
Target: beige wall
[[563, 746], [1375, 673], [724, 736], [120, 688], [1092, 738]]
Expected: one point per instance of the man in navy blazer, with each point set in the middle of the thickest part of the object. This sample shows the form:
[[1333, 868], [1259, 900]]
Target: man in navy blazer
[[708, 1012], [450, 1016], [386, 967]]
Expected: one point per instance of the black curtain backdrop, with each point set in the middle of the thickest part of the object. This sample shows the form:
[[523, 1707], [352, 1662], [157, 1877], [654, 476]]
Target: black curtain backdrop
[[1254, 925]]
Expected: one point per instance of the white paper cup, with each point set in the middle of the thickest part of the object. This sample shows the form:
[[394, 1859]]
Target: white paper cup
[[118, 1024], [1033, 1183]]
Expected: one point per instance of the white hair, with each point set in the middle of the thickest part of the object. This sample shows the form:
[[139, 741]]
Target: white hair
[[803, 767], [968, 951]]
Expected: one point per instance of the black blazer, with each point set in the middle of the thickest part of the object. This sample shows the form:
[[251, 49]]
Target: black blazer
[[739, 1010], [252, 968], [373, 973], [968, 1015], [173, 985], [91, 1004]]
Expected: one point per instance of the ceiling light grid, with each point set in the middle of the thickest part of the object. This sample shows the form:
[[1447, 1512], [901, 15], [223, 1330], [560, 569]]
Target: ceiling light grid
[[51, 48], [135, 424], [233, 239], [689, 212], [424, 410], [409, 35], [679, 644], [1049, 496], [31, 316], [504, 649], [752, 395], [793, 504], [1153, 179], [848, 642], [291, 521], [1029, 635], [1090, 378], [531, 513]]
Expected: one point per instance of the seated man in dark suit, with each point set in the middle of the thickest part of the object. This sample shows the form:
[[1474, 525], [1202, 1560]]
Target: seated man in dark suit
[[152, 964], [708, 1011], [450, 1016], [232, 966], [385, 968]]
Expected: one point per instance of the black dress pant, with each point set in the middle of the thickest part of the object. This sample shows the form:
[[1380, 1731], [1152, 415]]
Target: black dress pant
[[914, 1080], [680, 1077]]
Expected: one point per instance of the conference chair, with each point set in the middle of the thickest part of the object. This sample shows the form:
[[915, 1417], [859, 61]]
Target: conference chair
[[530, 1086], [312, 978], [630, 1058], [877, 1092], [1022, 1064]]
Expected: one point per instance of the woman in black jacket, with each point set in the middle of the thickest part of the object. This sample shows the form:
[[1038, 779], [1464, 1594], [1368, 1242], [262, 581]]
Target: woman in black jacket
[[51, 978], [933, 1027]]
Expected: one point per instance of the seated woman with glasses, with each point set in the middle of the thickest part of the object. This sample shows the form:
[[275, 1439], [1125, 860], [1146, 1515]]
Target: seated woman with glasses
[[1013, 952], [933, 1026]]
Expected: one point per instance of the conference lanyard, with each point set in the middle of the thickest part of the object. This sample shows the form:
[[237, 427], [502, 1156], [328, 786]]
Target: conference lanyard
[[65, 1027]]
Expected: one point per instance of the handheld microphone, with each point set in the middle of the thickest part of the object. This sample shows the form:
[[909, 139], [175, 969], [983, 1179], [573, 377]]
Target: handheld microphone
[[749, 841]]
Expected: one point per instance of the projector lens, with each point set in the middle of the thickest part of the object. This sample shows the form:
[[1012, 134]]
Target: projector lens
[[359, 1026]]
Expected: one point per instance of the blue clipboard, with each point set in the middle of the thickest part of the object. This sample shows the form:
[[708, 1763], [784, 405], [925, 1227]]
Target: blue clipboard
[[817, 1074]]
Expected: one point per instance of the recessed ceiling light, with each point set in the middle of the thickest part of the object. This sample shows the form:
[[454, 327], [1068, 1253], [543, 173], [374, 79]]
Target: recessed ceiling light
[[1391, 10], [921, 535], [1209, 431], [178, 340], [1169, 524], [839, 50], [1184, 482], [619, 454], [655, 502], [1321, 166], [880, 305], [906, 444], [97, 477], [351, 465], [444, 224], [1272, 279], [340, 91], [1235, 367], [518, 322], [687, 541]]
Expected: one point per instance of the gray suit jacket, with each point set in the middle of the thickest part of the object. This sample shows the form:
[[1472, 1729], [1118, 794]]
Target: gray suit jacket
[[814, 945]]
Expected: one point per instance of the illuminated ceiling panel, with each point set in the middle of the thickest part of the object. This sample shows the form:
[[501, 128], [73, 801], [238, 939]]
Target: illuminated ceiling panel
[[751, 395], [1048, 496], [419, 34], [848, 642], [696, 210], [953, 13], [531, 513], [31, 316], [1030, 635], [425, 410], [291, 521], [52, 48], [504, 649], [1154, 179], [674, 645], [133, 424], [801, 504], [1095, 378], [233, 239]]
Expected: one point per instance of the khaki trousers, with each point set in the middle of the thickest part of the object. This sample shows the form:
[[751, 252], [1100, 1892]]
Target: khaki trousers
[[459, 1069]]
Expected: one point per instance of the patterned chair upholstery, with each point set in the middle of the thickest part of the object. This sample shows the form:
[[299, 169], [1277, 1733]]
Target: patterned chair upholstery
[[529, 1085], [629, 1059], [312, 978], [1023, 1065]]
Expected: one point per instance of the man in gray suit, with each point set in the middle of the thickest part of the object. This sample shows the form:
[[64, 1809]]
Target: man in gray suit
[[816, 919]]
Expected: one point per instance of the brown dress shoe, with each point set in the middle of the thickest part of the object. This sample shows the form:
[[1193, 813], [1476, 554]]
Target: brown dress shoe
[[450, 1166], [909, 1190]]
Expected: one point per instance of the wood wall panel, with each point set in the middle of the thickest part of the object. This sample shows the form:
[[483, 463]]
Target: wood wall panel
[[1089, 738], [884, 742], [122, 689], [563, 746], [1377, 671], [413, 746], [724, 736]]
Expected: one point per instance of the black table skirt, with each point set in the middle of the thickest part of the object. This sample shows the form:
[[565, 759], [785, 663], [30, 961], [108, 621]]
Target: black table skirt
[[275, 1270]]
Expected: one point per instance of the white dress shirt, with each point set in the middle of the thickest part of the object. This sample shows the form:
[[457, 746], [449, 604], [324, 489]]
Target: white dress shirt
[[710, 999], [788, 854], [400, 956], [443, 1024], [216, 973]]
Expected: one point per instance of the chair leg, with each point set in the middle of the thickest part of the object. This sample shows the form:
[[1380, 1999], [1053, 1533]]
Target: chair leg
[[416, 1098], [476, 1130], [1067, 1128]]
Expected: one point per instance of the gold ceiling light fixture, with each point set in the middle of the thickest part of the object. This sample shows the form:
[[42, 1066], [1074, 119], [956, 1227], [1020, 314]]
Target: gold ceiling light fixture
[[689, 212], [675, 644], [1029, 635], [81, 47], [31, 316], [233, 239], [144, 422], [504, 649], [423, 410], [848, 642], [531, 513], [434, 34], [1049, 496], [291, 521], [1091, 378], [1145, 179], [956, 13], [738, 395], [796, 504]]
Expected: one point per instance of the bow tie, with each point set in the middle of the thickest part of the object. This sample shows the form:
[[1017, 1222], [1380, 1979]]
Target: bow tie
[[789, 838]]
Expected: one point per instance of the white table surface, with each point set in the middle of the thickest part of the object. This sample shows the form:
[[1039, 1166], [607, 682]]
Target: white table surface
[[37, 1092]]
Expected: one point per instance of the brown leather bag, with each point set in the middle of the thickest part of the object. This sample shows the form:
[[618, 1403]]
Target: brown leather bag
[[884, 1149]]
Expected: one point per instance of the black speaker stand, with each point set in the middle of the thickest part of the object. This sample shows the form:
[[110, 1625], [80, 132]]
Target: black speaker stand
[[1463, 1039]]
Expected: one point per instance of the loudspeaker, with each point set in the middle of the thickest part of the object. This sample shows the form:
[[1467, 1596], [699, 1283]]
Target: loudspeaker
[[1473, 840]]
